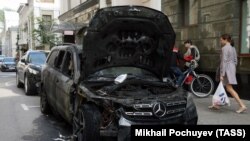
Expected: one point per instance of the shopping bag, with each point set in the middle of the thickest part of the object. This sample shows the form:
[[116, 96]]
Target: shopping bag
[[220, 96]]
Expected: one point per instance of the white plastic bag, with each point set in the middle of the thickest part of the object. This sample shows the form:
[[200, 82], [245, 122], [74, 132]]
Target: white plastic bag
[[220, 96]]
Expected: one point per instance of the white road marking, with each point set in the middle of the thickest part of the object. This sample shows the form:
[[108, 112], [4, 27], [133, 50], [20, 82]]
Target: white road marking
[[24, 107], [9, 83]]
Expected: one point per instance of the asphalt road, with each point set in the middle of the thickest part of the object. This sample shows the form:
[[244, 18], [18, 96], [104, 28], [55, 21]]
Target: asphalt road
[[20, 116]]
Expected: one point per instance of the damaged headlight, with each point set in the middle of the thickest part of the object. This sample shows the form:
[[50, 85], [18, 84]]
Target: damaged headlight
[[33, 71]]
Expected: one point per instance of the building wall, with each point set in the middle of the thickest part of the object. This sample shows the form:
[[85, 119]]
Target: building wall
[[11, 20], [13, 41], [11, 37], [10, 42], [155, 4], [81, 11], [28, 19], [66, 5], [40, 9], [214, 19]]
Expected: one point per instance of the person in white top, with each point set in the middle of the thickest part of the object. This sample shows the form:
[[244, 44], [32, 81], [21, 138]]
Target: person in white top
[[192, 53], [228, 62]]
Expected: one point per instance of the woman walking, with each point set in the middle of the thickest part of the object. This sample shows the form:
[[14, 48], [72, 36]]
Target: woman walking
[[228, 62]]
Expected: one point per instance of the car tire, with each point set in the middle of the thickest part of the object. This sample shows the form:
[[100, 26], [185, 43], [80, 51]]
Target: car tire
[[193, 121], [27, 88], [44, 104], [86, 123], [19, 84]]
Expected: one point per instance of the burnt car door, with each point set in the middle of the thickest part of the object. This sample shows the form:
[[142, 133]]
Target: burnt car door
[[64, 83], [48, 77]]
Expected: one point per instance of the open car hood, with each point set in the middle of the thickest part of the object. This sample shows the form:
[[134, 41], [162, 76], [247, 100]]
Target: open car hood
[[128, 36]]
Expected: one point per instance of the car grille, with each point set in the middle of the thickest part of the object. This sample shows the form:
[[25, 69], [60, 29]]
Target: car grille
[[10, 66], [148, 112]]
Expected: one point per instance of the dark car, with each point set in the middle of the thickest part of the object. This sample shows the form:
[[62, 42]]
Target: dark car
[[1, 59], [28, 71], [8, 64], [115, 79]]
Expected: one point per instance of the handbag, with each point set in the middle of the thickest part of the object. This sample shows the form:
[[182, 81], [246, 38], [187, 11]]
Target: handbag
[[220, 97]]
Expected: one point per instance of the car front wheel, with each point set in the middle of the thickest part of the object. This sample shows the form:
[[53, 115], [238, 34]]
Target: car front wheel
[[28, 90], [18, 82], [44, 104], [86, 123]]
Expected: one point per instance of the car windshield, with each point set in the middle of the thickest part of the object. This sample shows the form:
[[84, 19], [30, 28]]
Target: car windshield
[[116, 71], [9, 60], [37, 58]]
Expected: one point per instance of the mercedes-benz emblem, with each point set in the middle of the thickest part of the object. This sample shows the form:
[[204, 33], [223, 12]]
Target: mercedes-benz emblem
[[159, 109]]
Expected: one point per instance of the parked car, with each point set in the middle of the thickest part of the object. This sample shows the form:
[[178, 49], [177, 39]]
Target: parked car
[[8, 64], [1, 59], [115, 79], [29, 71]]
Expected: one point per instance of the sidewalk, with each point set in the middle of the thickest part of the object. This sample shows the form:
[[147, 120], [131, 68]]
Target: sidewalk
[[225, 116]]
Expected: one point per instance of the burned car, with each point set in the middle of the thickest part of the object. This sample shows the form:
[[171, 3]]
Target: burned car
[[115, 79]]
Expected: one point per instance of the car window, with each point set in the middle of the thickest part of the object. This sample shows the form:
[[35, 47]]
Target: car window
[[52, 57], [59, 59], [9, 60], [68, 66], [37, 58]]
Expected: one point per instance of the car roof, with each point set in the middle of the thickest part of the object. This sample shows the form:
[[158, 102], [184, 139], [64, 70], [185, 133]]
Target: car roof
[[34, 51], [66, 46]]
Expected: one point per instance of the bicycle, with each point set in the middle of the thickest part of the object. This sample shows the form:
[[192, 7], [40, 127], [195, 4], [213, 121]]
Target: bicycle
[[201, 85]]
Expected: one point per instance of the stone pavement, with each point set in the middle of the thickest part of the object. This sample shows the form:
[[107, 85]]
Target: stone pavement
[[225, 116]]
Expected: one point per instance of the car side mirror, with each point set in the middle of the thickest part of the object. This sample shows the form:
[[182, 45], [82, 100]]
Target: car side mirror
[[23, 60]]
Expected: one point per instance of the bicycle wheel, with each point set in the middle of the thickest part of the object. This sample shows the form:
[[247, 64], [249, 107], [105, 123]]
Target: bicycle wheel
[[202, 86]]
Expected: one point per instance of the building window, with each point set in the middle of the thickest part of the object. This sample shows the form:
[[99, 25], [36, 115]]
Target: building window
[[245, 28], [190, 12], [47, 18], [47, 1]]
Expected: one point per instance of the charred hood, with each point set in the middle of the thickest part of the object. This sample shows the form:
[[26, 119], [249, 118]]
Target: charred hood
[[128, 36]]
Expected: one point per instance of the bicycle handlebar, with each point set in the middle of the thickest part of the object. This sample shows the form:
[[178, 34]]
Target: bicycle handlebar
[[193, 64]]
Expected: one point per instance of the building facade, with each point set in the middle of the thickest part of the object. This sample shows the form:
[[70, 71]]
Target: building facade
[[202, 21], [29, 14], [10, 42], [79, 12], [10, 22]]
